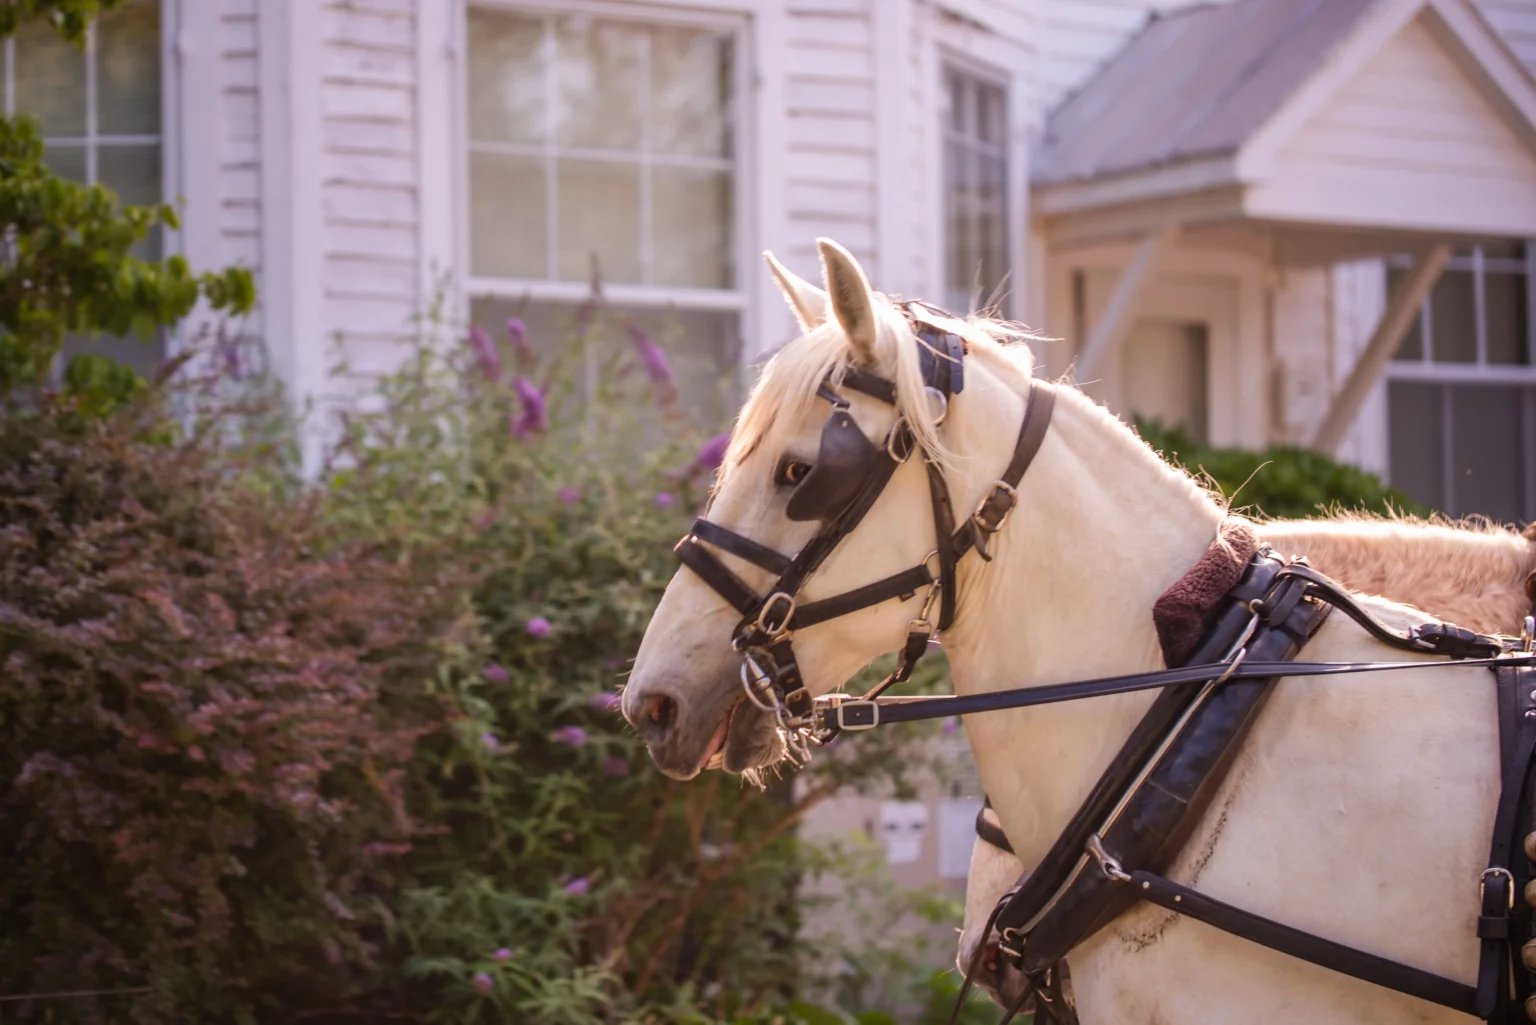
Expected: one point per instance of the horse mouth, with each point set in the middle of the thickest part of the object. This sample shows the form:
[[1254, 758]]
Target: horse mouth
[[745, 739], [714, 753]]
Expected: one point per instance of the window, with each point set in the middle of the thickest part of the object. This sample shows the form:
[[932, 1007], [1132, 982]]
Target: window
[[975, 190], [610, 145], [1461, 392], [99, 112]]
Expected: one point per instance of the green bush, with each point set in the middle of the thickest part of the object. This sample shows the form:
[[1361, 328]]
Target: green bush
[[1282, 482]]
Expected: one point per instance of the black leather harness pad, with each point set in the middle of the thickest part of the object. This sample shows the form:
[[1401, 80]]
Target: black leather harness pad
[[845, 463]]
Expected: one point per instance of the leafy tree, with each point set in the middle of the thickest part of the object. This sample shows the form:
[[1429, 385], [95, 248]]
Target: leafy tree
[[66, 265]]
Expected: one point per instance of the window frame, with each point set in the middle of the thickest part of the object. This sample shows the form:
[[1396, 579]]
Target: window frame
[[950, 63], [168, 69], [1426, 370], [166, 138], [737, 299]]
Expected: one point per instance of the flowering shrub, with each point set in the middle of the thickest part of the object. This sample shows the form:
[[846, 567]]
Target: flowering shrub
[[562, 879], [203, 727], [351, 750]]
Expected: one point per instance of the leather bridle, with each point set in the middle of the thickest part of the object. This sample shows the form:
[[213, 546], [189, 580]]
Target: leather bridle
[[847, 478]]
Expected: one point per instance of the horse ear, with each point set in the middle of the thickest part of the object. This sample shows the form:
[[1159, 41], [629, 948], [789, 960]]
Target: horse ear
[[852, 302], [808, 301]]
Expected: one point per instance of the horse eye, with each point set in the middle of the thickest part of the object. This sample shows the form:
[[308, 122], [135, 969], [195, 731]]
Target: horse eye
[[790, 473]]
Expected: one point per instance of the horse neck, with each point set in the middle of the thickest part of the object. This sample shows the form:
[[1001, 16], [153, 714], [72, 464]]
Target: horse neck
[[1102, 528]]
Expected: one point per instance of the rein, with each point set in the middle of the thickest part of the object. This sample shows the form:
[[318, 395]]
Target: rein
[[1152, 796]]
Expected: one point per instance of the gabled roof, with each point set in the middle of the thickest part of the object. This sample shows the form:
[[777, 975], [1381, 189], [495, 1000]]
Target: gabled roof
[[1195, 82], [1402, 115]]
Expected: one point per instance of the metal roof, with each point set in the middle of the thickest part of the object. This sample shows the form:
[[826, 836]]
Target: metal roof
[[1194, 82]]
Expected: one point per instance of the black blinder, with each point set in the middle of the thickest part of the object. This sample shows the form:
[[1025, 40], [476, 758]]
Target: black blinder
[[844, 464]]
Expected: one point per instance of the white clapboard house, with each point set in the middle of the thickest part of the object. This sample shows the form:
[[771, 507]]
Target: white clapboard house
[[1299, 220], [1268, 220]]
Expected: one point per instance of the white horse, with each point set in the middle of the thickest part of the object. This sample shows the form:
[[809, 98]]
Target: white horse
[[1359, 809], [1473, 576]]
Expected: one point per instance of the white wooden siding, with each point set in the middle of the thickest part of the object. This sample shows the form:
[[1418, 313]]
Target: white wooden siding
[[829, 163], [1411, 117], [368, 169], [1515, 23], [239, 143]]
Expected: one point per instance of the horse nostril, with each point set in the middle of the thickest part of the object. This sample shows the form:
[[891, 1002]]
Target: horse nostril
[[662, 711]]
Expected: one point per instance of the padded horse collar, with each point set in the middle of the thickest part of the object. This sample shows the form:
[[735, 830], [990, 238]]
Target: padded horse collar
[[848, 476]]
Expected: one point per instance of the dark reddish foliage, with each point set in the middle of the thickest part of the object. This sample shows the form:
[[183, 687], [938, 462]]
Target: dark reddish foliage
[[201, 743]]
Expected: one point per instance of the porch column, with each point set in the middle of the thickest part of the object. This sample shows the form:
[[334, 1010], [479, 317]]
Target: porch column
[[1120, 312], [1402, 307]]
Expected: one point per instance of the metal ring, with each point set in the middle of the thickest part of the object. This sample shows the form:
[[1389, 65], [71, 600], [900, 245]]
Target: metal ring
[[1107, 862], [932, 394], [753, 689], [761, 623]]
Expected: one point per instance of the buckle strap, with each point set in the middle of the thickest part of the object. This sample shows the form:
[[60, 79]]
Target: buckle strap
[[730, 541], [901, 585], [714, 573], [992, 512]]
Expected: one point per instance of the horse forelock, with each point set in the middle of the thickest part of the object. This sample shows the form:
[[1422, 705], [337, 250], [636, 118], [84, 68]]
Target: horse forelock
[[785, 391]]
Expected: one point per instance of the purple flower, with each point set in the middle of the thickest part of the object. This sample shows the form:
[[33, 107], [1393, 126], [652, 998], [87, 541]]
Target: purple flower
[[575, 736], [607, 700], [578, 887], [538, 626], [502, 954], [517, 334], [654, 360], [568, 495], [535, 414], [485, 353], [712, 452], [664, 500], [494, 673], [951, 725], [489, 740], [615, 766], [484, 983]]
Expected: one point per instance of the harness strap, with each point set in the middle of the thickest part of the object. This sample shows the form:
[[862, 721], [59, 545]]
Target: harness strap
[[999, 501], [1266, 932], [899, 585], [730, 541], [1428, 638], [715, 573], [1497, 888]]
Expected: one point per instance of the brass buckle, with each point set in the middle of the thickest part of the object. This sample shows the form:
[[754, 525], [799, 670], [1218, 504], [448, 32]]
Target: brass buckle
[[866, 715], [761, 623], [1013, 499]]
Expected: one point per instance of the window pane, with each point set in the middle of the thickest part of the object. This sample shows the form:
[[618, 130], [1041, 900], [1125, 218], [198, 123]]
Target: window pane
[[66, 161], [598, 70], [691, 76], [1488, 468], [133, 172], [1413, 341], [50, 80], [1453, 319], [1504, 303], [692, 218], [989, 114], [961, 241], [1416, 442], [506, 216], [1505, 249], [506, 80], [991, 223], [599, 211], [128, 71]]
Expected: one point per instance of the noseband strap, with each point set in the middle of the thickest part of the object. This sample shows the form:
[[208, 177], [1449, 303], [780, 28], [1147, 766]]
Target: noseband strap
[[850, 474]]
